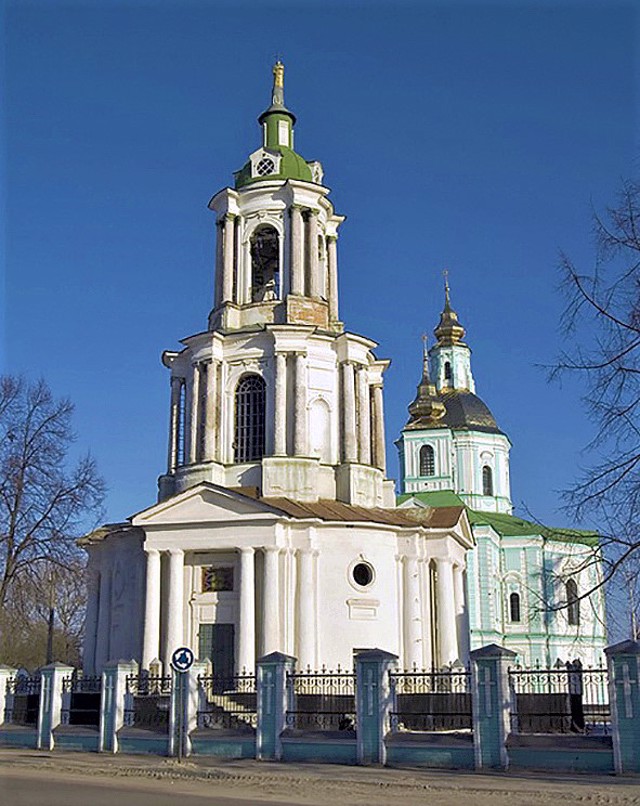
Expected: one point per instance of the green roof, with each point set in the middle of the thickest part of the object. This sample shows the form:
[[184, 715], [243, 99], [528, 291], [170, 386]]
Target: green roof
[[503, 524]]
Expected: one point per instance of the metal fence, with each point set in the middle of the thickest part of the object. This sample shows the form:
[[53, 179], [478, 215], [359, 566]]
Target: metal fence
[[148, 702], [227, 702], [23, 700], [567, 699], [81, 705], [324, 700], [431, 700]]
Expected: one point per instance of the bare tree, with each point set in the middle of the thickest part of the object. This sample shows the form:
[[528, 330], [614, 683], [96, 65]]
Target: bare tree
[[46, 501], [602, 326]]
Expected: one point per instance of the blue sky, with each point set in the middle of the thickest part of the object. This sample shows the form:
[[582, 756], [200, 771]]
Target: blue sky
[[471, 136]]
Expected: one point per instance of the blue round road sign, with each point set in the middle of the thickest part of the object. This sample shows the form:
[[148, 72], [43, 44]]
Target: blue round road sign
[[182, 659]]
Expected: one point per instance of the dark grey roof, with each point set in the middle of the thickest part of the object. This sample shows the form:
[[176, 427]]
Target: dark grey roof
[[463, 411]]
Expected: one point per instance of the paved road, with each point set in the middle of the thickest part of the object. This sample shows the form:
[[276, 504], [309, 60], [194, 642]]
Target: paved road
[[20, 788], [32, 778]]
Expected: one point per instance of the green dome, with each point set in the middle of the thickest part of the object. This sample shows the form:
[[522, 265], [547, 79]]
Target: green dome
[[277, 123], [292, 166]]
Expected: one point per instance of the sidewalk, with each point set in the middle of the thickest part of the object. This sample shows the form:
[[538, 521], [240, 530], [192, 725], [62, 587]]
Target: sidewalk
[[325, 785]]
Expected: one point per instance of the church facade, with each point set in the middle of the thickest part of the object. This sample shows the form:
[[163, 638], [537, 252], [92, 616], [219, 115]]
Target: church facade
[[276, 526], [533, 589]]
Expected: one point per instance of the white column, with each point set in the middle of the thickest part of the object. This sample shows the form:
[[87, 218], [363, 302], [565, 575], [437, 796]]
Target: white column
[[210, 412], [412, 612], [91, 624], [219, 269], [271, 601], [192, 414], [364, 418], [175, 605], [462, 622], [379, 452], [447, 632], [151, 639], [280, 426], [174, 424], [300, 447], [247, 636], [332, 277], [297, 267], [425, 584], [312, 254], [103, 641], [228, 254], [349, 412], [306, 627]]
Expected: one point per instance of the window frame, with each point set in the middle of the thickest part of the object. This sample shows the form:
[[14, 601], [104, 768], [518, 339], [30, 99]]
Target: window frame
[[426, 461], [249, 419]]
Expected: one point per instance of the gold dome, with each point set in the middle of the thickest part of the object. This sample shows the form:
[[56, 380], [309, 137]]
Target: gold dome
[[449, 330], [427, 407]]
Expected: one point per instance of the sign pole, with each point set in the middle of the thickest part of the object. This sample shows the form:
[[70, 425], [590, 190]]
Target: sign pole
[[181, 661]]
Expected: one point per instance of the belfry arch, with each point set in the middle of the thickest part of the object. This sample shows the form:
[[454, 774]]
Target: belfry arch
[[264, 254]]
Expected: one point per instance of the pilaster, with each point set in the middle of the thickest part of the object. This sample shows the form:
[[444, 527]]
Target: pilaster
[[271, 681], [374, 703], [50, 710], [623, 661], [491, 705]]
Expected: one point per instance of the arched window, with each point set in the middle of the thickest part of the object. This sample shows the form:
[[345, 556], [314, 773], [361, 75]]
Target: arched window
[[514, 607], [249, 432], [447, 371], [265, 264], [573, 602], [427, 461], [487, 480]]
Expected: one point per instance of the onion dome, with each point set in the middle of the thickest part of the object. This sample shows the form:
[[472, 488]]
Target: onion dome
[[449, 330], [427, 408], [465, 411], [276, 159]]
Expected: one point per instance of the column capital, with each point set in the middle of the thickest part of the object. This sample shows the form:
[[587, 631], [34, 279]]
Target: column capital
[[248, 551], [299, 208], [332, 238], [152, 552], [229, 217], [175, 552]]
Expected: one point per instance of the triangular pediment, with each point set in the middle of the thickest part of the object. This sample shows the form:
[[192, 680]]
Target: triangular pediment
[[205, 503]]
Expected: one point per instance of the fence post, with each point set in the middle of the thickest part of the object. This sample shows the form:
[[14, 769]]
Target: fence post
[[491, 704], [192, 698], [374, 703], [114, 689], [623, 661], [50, 710], [271, 687], [6, 673]]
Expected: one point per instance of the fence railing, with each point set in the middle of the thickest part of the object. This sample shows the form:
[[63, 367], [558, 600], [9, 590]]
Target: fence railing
[[438, 700], [227, 702], [148, 702], [322, 700], [567, 699], [81, 705], [23, 700]]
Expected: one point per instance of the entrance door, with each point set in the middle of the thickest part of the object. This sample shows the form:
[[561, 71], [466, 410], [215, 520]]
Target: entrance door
[[216, 641]]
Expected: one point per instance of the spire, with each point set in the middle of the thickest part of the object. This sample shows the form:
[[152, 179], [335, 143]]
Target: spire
[[427, 407], [277, 96], [449, 330]]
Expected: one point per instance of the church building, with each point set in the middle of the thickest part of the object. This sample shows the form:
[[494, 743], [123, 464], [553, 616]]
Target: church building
[[276, 526], [530, 588]]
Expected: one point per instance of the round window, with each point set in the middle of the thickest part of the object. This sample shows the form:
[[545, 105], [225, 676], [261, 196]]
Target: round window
[[362, 574]]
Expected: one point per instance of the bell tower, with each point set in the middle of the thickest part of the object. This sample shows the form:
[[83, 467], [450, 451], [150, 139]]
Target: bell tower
[[276, 395]]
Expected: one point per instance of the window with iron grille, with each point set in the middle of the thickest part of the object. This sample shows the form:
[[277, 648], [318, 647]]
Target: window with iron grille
[[514, 607], [217, 578], [427, 461], [249, 431], [487, 480], [573, 603]]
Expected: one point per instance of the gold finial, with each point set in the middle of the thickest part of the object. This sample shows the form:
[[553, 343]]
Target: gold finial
[[278, 75]]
